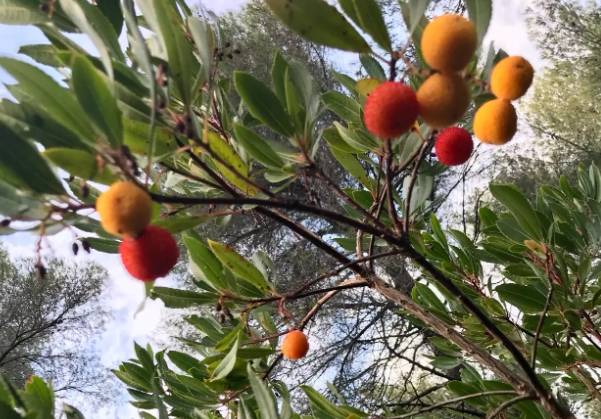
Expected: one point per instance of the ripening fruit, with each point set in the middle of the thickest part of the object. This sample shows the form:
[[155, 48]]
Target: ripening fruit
[[449, 43], [124, 209], [495, 122], [511, 78], [390, 110], [151, 255], [295, 345], [443, 99], [454, 146]]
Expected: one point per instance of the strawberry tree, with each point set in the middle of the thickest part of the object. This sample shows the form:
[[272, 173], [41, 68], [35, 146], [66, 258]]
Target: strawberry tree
[[143, 139]]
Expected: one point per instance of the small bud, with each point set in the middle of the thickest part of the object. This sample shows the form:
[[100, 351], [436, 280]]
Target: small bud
[[71, 178], [85, 191], [5, 222], [44, 7], [86, 245], [230, 56], [75, 248]]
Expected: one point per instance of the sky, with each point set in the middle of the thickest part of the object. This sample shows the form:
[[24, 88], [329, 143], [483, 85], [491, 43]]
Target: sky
[[124, 295]]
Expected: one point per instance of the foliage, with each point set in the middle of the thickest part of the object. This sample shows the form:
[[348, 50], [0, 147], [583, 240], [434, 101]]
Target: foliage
[[510, 313], [37, 314]]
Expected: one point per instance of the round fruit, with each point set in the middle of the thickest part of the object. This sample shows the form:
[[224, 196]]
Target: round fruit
[[390, 110], [511, 78], [443, 99], [495, 122], [151, 255], [449, 42], [454, 146], [295, 345], [124, 209]]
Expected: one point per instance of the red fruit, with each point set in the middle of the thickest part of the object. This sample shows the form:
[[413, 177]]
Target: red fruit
[[151, 255], [454, 146], [390, 110]]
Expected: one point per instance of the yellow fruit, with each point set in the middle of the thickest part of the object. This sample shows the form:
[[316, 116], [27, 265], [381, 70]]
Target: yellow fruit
[[449, 42], [511, 78], [443, 99], [124, 209], [495, 122]]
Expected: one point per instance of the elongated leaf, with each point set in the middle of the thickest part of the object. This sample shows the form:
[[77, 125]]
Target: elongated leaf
[[39, 398], [21, 165], [103, 245], [47, 95], [234, 169], [228, 362], [263, 395], [111, 9], [321, 407], [417, 9], [527, 299], [94, 95], [205, 264], [351, 164], [239, 266], [262, 103], [79, 163], [174, 298], [368, 16], [343, 106], [90, 20], [204, 40], [520, 208], [258, 148], [164, 20], [319, 22], [373, 67], [480, 12]]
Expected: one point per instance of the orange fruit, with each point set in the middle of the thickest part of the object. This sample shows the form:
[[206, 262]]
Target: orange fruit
[[449, 43], [295, 345], [125, 209], [443, 99], [511, 78], [495, 122]]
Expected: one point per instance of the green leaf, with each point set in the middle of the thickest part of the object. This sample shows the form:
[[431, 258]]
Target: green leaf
[[414, 17], [164, 20], [417, 10], [351, 164], [319, 22], [79, 163], [21, 12], [368, 16], [111, 9], [239, 170], [262, 103], [204, 40], [201, 256], [39, 398], [239, 266], [372, 67], [21, 165], [90, 20], [103, 245], [519, 207], [180, 224], [94, 94], [480, 12], [527, 299], [72, 412], [321, 407], [137, 139], [257, 147], [228, 362], [48, 96], [263, 395], [174, 298], [345, 107]]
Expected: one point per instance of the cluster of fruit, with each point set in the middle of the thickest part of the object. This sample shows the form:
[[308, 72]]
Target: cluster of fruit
[[148, 252], [448, 45]]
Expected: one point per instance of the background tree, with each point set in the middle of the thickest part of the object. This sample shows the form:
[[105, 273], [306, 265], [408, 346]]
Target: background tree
[[46, 323]]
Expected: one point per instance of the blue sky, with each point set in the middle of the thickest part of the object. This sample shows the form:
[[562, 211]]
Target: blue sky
[[124, 295]]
